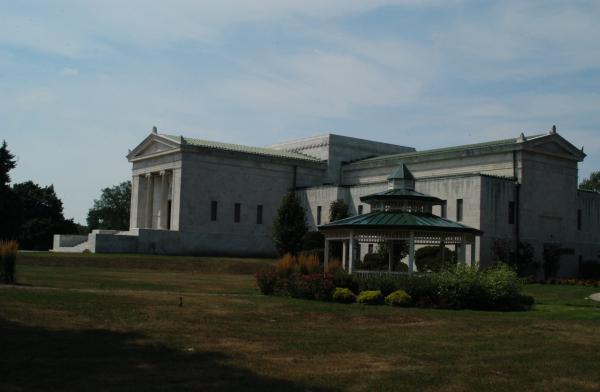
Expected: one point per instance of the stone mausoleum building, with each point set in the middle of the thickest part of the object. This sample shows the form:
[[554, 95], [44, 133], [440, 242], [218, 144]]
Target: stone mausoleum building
[[193, 196]]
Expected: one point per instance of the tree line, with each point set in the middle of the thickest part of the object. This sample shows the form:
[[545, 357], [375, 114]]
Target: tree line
[[31, 214]]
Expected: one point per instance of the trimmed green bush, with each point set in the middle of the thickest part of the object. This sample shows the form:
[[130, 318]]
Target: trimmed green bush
[[398, 298], [344, 295], [370, 297]]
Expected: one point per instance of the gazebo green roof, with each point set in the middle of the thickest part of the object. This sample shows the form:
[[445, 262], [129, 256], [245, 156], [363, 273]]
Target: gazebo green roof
[[400, 220], [402, 194]]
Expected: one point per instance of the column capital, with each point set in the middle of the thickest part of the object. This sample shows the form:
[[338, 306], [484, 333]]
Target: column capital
[[148, 175], [162, 172]]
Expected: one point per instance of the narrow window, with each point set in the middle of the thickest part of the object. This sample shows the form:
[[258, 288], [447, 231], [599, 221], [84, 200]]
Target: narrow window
[[237, 212], [213, 210], [319, 215], [459, 210], [360, 209], [511, 212], [370, 249], [259, 214], [579, 220], [444, 210]]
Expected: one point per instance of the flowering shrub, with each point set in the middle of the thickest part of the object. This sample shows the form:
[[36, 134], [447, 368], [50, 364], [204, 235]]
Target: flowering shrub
[[343, 295], [370, 297], [398, 298], [314, 286]]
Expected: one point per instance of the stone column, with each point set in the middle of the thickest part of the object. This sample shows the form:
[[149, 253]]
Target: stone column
[[164, 200], [411, 253], [135, 216], [149, 200]]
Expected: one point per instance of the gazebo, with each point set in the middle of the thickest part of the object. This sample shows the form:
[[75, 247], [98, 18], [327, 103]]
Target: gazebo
[[399, 215]]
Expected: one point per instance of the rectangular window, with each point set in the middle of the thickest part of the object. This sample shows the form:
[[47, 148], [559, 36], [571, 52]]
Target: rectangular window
[[237, 212], [360, 209], [213, 210], [511, 212], [259, 214], [445, 209], [319, 215], [459, 210], [579, 220]]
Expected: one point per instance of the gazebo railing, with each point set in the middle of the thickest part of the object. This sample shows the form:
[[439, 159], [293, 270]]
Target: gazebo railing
[[372, 274]]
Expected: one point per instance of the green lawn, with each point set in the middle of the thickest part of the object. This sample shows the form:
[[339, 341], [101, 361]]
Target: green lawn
[[113, 322]]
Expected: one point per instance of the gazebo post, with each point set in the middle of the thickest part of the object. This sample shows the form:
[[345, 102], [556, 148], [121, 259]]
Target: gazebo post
[[351, 252], [344, 255], [390, 255], [463, 251], [443, 249], [411, 253], [326, 254], [473, 251]]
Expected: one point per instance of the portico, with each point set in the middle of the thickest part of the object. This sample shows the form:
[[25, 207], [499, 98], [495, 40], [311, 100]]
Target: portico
[[155, 195]]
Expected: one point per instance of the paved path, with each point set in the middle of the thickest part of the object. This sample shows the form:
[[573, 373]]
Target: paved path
[[595, 297]]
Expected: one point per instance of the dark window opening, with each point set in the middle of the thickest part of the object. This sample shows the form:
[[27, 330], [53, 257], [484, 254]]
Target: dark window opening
[[459, 210], [213, 210], [169, 206], [319, 215], [511, 212], [259, 214], [444, 210], [360, 209], [237, 212]]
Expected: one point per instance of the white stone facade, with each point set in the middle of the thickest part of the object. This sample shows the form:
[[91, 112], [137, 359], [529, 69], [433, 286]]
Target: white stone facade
[[192, 196]]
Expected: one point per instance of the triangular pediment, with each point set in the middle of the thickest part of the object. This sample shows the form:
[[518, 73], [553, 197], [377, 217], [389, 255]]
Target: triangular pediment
[[153, 145], [556, 145]]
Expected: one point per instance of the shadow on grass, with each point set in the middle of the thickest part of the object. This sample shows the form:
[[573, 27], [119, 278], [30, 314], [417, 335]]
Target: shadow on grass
[[37, 359]]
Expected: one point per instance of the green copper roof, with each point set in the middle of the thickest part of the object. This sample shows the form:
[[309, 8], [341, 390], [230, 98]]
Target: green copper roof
[[399, 220], [401, 194], [495, 143], [241, 148], [401, 173]]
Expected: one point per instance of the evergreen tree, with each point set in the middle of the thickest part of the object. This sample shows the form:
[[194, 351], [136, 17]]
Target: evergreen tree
[[289, 226], [9, 211], [338, 210], [592, 183], [111, 211]]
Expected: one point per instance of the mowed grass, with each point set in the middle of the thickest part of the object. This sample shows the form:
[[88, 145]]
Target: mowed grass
[[113, 322]]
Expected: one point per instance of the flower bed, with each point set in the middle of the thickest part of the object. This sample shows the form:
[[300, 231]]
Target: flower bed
[[497, 288]]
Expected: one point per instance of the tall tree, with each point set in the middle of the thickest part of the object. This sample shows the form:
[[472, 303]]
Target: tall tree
[[111, 211], [592, 183], [9, 211], [289, 226], [41, 216], [7, 163], [338, 210]]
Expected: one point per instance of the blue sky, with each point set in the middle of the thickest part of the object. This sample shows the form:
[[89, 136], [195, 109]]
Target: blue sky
[[81, 82]]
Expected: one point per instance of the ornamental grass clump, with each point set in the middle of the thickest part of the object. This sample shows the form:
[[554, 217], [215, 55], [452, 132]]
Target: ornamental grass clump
[[343, 295], [8, 260], [370, 297], [398, 298]]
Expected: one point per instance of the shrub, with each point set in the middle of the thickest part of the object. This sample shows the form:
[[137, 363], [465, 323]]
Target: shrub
[[333, 266], [429, 258], [370, 297], [266, 279], [8, 260], [384, 283], [344, 295], [375, 262], [315, 286], [345, 280], [308, 263], [398, 298], [286, 266]]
